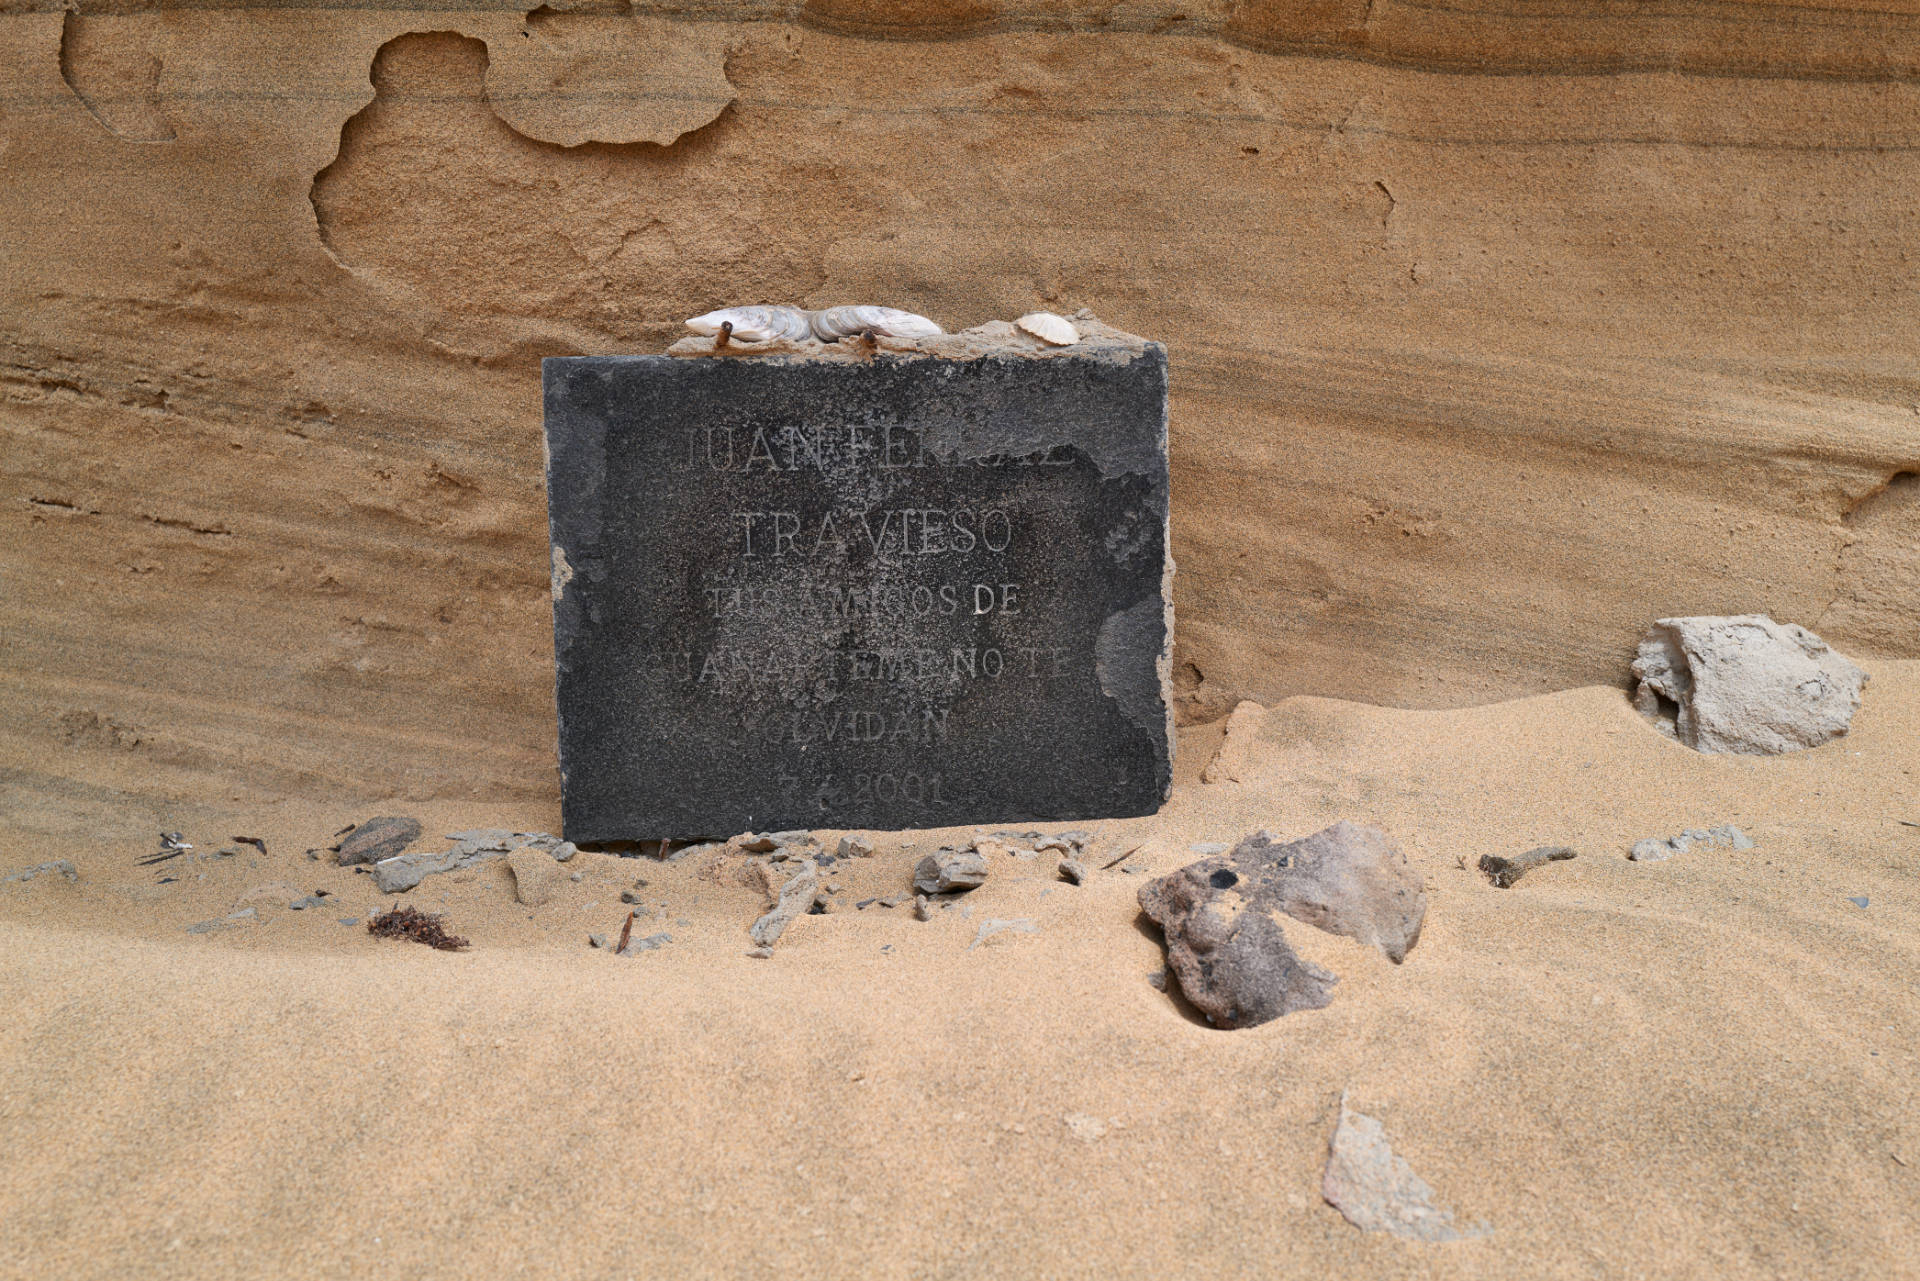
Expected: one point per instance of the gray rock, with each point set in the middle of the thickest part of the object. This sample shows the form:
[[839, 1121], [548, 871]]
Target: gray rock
[[855, 847], [760, 953], [1378, 1191], [311, 900], [629, 897], [989, 928], [796, 897], [651, 943], [600, 941], [1072, 869], [564, 852], [1348, 879], [1744, 684], [1230, 956], [1506, 871], [754, 844], [400, 874], [947, 870], [63, 866], [379, 838], [1224, 940], [922, 908], [1724, 837]]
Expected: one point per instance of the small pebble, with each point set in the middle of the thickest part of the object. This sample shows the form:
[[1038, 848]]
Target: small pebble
[[760, 953], [597, 940], [578, 877], [1858, 902], [628, 896]]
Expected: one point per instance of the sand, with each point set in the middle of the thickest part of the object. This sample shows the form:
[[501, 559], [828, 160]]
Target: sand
[[1702, 1067]]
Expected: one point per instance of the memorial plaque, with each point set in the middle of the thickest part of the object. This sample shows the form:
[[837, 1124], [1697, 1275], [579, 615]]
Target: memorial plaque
[[860, 588]]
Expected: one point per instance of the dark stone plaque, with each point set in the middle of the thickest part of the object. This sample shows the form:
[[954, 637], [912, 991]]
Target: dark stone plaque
[[886, 590]]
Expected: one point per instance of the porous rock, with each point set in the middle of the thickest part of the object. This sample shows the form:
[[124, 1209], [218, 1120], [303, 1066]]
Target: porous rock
[[1506, 870], [796, 898], [1744, 684], [1223, 936], [1378, 1191], [1724, 837], [947, 870], [534, 875], [1348, 879], [379, 838]]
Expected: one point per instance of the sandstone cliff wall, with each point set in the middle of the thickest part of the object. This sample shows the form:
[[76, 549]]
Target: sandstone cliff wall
[[1497, 329]]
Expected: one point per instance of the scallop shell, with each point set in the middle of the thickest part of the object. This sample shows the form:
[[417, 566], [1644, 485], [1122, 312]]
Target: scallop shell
[[1048, 327], [836, 323], [755, 324]]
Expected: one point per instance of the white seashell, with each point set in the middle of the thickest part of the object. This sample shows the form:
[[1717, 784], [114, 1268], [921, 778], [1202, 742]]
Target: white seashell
[[836, 323], [1048, 327], [755, 324]]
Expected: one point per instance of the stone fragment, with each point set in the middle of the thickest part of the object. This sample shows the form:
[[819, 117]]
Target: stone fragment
[[922, 908], [1744, 684], [564, 851], [751, 843], [855, 847], [599, 940], [1224, 940], [1378, 1191], [1505, 871], [1227, 949], [535, 875], [651, 943], [63, 867], [796, 897], [1072, 869], [379, 838], [311, 900], [991, 927], [1348, 879], [1724, 837], [947, 870], [1050, 462], [631, 898]]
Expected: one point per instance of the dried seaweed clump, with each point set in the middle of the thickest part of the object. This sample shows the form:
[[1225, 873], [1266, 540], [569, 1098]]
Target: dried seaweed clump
[[421, 927]]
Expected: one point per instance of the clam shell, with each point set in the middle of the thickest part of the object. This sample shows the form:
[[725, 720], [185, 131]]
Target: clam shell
[[755, 324], [836, 323], [1048, 327]]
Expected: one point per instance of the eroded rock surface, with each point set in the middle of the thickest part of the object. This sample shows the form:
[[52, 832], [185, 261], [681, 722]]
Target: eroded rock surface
[[945, 871], [1505, 870], [1744, 684], [796, 898], [1220, 917], [379, 838], [1378, 1191]]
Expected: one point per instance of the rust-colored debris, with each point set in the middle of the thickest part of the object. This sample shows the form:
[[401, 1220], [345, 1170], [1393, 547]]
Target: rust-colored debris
[[421, 927]]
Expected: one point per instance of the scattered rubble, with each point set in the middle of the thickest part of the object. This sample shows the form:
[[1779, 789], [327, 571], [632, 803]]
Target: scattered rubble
[[1378, 1191], [946, 870], [379, 838], [796, 897], [1226, 946], [421, 927], [1724, 837], [401, 873], [1505, 872], [1744, 684], [63, 866]]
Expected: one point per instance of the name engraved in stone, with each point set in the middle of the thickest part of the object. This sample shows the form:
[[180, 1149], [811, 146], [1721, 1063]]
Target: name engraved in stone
[[948, 610]]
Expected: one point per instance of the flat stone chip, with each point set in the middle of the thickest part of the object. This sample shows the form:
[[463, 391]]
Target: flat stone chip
[[908, 590]]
